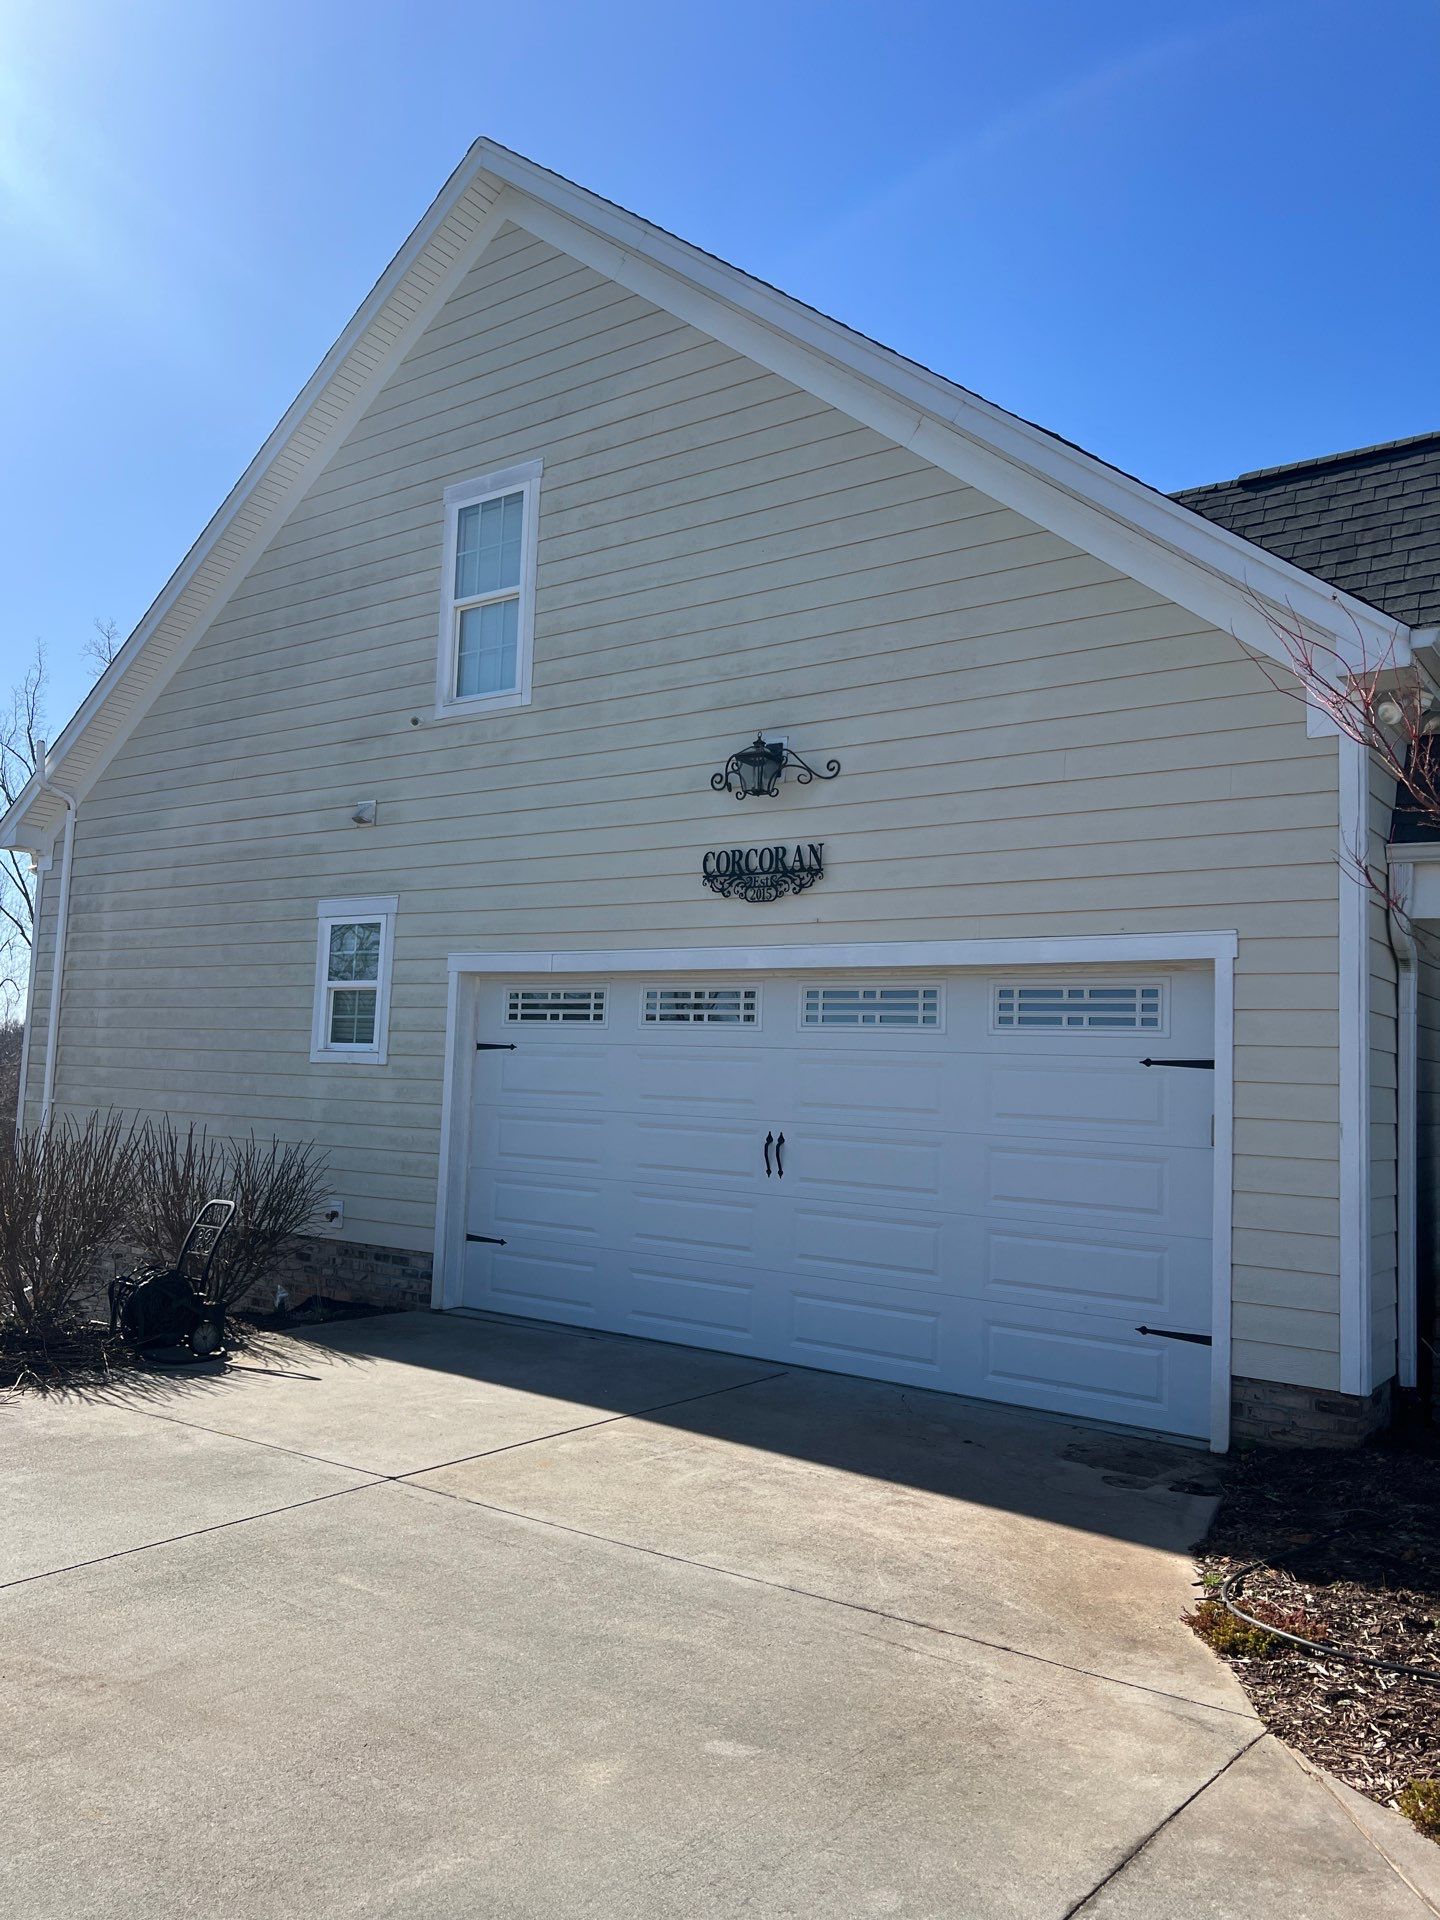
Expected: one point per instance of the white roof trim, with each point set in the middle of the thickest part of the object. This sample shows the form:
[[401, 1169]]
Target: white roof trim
[[1202, 567]]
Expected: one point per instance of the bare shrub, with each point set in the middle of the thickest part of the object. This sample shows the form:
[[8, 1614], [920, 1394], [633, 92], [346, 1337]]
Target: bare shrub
[[277, 1188], [64, 1198], [176, 1173], [12, 1044]]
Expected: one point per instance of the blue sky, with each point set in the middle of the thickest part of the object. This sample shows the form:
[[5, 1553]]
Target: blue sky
[[1195, 239]]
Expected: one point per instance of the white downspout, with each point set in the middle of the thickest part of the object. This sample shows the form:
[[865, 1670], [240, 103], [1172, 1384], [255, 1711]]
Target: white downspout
[[1407, 1009], [62, 920]]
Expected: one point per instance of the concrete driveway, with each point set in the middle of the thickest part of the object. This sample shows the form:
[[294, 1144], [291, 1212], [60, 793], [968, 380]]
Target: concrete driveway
[[453, 1617]]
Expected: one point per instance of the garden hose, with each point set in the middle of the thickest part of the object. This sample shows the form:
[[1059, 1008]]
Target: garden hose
[[1325, 1647]]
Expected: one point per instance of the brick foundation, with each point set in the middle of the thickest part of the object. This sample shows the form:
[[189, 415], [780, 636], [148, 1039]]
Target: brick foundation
[[1272, 1414], [348, 1270]]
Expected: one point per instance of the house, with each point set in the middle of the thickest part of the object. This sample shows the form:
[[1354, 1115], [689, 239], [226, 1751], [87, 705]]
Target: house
[[1021, 1032]]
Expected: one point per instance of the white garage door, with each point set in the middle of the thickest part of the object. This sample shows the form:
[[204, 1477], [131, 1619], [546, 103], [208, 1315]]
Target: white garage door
[[961, 1181]]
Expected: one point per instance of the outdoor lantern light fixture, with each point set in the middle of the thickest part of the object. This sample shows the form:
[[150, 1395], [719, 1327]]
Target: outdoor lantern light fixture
[[759, 768]]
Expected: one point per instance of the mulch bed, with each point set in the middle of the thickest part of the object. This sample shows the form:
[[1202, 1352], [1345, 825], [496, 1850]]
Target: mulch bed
[[1349, 1546]]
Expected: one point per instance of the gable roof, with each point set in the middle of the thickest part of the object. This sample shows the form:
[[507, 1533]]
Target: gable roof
[[1137, 530], [1367, 520]]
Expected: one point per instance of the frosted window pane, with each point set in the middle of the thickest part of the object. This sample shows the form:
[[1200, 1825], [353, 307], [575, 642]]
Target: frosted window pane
[[488, 649], [355, 951], [487, 546]]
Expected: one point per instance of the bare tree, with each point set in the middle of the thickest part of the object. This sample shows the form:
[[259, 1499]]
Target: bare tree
[[104, 643], [1389, 709], [22, 726]]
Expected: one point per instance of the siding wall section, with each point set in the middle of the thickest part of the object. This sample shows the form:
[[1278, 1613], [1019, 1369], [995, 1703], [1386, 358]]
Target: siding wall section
[[1032, 745]]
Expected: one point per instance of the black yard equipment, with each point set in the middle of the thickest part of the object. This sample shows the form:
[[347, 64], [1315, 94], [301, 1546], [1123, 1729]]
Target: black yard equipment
[[175, 1306]]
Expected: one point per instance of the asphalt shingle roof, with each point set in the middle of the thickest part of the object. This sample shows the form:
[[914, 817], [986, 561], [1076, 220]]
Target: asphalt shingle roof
[[1367, 521]]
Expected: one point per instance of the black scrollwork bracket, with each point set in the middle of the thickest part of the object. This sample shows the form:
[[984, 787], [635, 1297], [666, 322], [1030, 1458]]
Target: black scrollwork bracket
[[760, 767]]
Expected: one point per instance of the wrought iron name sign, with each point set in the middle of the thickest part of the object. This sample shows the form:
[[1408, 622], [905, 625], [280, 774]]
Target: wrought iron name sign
[[763, 873]]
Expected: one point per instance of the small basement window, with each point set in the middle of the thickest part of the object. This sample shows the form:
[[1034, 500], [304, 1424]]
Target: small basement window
[[701, 1006], [352, 980], [555, 1006], [1092, 1006], [487, 592], [871, 1006]]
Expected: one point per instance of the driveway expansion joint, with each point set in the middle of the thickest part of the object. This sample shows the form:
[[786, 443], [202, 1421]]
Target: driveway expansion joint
[[834, 1600], [1144, 1841]]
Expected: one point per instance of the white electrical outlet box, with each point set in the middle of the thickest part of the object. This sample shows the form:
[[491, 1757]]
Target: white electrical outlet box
[[332, 1215]]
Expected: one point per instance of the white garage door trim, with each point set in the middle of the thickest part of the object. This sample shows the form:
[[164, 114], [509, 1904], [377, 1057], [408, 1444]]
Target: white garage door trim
[[466, 971]]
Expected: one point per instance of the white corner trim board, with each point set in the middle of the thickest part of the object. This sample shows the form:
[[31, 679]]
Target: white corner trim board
[[467, 970], [1354, 901], [1402, 940]]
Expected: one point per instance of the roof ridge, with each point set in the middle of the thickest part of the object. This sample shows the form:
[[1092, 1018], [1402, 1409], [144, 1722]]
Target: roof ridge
[[1316, 463]]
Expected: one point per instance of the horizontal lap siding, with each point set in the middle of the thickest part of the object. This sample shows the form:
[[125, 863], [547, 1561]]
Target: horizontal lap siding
[[1032, 744]]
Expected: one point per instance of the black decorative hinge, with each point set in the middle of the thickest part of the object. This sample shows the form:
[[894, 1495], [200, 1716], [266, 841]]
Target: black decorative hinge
[[1179, 1063], [1171, 1333], [488, 1239], [494, 1046]]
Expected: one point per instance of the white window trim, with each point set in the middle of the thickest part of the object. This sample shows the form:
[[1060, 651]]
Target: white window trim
[[330, 913], [470, 493]]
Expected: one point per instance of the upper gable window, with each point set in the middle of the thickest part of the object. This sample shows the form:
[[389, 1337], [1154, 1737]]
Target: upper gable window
[[487, 600]]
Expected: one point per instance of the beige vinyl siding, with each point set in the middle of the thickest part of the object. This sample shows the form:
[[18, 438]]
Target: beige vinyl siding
[[1032, 744]]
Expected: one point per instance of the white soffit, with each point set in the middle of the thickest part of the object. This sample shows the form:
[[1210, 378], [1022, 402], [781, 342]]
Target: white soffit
[[1221, 578]]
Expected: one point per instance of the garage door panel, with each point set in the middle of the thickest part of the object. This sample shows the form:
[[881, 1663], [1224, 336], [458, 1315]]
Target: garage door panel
[[886, 1248], [1051, 1182], [541, 1140], [707, 1151], [893, 1089], [690, 1305], [540, 1282], [704, 1077], [832, 1325], [1100, 1275], [546, 1073], [544, 1207], [1111, 1098], [1072, 1365], [702, 1225], [887, 1166]]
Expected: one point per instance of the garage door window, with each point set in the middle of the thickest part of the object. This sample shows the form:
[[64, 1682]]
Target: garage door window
[[555, 1006], [1090, 1007], [871, 1006], [700, 1007]]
